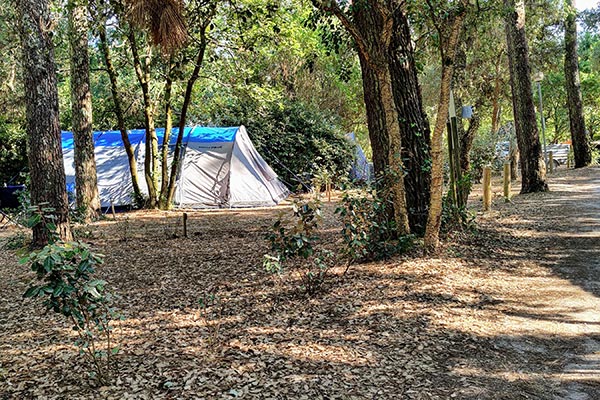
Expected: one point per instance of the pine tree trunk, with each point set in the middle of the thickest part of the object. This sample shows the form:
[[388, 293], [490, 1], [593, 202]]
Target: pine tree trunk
[[86, 184], [48, 183], [382, 111], [414, 126], [533, 170], [581, 146]]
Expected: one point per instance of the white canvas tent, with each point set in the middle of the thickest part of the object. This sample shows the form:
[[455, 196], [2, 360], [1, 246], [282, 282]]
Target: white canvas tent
[[220, 168]]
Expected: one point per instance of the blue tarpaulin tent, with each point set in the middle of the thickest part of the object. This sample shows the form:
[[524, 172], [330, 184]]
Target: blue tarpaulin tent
[[220, 167]]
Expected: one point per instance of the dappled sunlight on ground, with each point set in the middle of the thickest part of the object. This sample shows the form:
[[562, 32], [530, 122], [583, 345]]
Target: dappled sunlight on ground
[[509, 312]]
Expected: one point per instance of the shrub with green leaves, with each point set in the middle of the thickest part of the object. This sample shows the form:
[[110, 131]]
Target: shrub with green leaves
[[66, 283], [455, 218], [369, 230], [294, 246]]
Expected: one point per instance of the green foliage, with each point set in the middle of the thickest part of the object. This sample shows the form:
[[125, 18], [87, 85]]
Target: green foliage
[[65, 280], [369, 230], [483, 153], [455, 218], [295, 139], [13, 157], [293, 245]]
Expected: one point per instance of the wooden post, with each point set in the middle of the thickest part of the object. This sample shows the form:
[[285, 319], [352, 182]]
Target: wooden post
[[551, 162], [328, 191], [112, 207], [506, 177], [487, 188], [317, 188], [185, 217]]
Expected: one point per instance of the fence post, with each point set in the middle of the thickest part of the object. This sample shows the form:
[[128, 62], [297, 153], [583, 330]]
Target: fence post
[[506, 177], [185, 218], [551, 162], [487, 188]]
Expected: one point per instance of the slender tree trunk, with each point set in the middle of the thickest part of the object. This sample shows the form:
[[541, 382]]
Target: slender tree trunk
[[448, 53], [48, 183], [466, 142], [151, 155], [114, 87], [164, 185], [175, 164], [533, 170], [581, 146], [86, 183], [496, 97]]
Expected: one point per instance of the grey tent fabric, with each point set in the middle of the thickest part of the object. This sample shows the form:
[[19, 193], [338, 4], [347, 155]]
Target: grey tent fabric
[[220, 167]]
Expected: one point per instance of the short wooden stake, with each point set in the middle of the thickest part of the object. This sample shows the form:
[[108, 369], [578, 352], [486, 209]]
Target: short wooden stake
[[112, 207], [329, 191], [551, 162], [506, 177], [185, 217], [487, 188]]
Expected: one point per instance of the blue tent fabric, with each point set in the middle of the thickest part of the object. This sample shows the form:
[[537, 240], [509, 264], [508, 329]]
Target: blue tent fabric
[[215, 171], [361, 169]]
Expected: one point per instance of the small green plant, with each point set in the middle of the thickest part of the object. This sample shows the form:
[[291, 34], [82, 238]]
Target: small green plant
[[369, 230], [293, 244], [211, 311], [455, 218], [65, 282], [16, 242]]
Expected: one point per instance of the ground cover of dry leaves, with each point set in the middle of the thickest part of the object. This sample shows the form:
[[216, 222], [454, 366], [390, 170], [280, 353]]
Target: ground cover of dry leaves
[[510, 312]]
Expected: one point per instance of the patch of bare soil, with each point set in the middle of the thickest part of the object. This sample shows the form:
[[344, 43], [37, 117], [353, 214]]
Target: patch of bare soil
[[510, 312]]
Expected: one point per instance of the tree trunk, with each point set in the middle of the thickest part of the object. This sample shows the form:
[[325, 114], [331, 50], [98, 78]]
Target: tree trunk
[[581, 146], [414, 126], [48, 183], [88, 201], [114, 87], [448, 53], [533, 170], [175, 164], [164, 184], [151, 155], [496, 97], [377, 31]]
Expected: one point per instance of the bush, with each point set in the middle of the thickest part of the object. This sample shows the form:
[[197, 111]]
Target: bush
[[65, 281], [293, 245], [13, 153], [294, 139], [370, 231]]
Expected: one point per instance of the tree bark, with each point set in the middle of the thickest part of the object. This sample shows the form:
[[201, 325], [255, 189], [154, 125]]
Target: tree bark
[[151, 155], [48, 183], [116, 96], [162, 202], [88, 200], [581, 146], [533, 170], [376, 24], [187, 99], [414, 125], [448, 49]]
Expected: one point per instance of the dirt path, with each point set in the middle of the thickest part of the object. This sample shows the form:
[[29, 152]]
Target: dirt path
[[509, 312], [561, 230]]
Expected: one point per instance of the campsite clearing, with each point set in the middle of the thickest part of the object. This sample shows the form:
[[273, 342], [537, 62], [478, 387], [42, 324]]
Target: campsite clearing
[[507, 313]]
